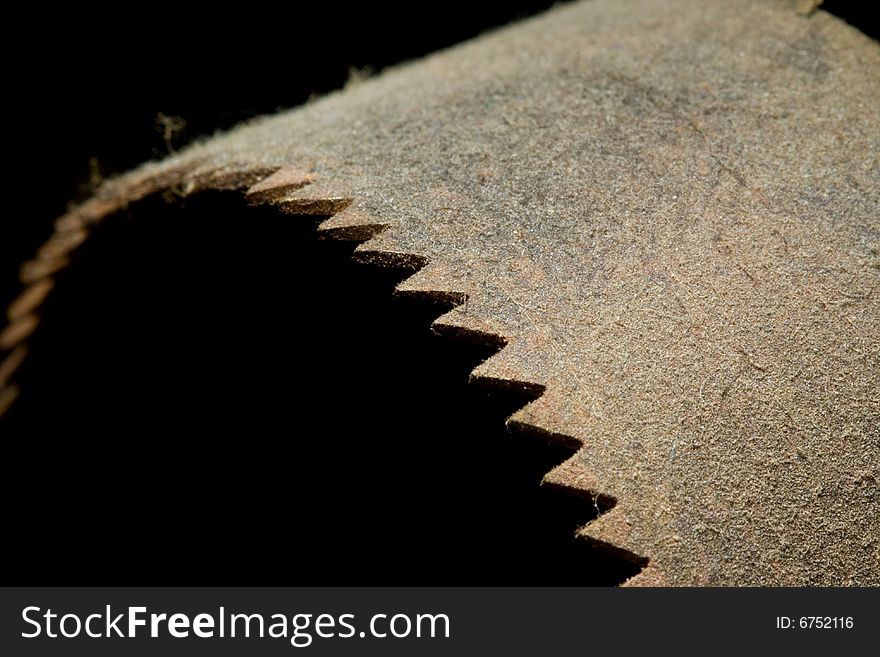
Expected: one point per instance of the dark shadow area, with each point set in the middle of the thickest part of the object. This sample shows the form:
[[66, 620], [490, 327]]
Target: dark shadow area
[[859, 14], [216, 395]]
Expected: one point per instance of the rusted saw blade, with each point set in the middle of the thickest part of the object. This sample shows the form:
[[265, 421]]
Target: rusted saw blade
[[670, 211]]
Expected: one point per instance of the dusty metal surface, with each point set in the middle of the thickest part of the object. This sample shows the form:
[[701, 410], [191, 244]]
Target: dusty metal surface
[[671, 213]]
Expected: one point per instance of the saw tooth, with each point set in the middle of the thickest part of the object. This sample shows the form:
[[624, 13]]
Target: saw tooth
[[238, 176], [227, 177], [34, 270], [433, 277], [540, 418], [510, 369], [458, 323], [612, 532], [30, 299], [315, 199], [72, 220], [89, 212], [573, 477], [521, 422], [18, 331], [650, 576], [351, 224], [382, 251], [62, 243], [443, 283], [384, 241], [433, 283], [10, 365], [277, 185]]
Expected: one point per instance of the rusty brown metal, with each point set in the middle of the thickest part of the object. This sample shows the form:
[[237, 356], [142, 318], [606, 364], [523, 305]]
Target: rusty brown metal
[[669, 215]]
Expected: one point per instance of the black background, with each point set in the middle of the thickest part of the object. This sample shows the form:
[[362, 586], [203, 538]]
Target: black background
[[216, 395]]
